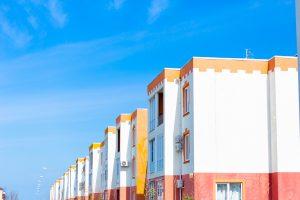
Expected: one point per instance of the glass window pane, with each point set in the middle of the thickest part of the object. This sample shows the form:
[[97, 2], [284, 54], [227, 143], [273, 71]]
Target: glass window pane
[[221, 191], [235, 191]]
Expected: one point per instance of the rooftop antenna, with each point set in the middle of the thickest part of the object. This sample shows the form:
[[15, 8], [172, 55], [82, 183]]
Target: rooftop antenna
[[248, 53]]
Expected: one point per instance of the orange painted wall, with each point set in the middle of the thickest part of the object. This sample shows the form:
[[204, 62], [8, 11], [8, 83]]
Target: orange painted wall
[[141, 151]]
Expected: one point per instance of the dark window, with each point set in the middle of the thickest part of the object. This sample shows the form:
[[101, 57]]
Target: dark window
[[160, 108], [118, 140]]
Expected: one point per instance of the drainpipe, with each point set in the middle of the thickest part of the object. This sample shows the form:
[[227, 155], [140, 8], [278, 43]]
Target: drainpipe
[[180, 131]]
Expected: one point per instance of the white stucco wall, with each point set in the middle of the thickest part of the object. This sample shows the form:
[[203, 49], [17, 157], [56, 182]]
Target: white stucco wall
[[65, 187], [56, 190], [285, 121], [61, 189], [94, 171], [86, 176], [111, 153], [230, 122], [72, 182], [187, 123], [125, 154], [80, 179]]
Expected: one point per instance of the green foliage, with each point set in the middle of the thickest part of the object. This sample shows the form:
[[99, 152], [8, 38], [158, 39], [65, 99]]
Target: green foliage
[[187, 197], [150, 192]]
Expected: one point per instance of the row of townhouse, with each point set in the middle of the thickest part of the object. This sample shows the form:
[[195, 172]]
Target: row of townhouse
[[216, 129], [115, 168]]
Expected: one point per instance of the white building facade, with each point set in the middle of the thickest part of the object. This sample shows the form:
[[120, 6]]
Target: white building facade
[[221, 127], [80, 181], [94, 171]]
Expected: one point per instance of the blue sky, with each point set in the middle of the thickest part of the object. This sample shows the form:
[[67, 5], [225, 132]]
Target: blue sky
[[68, 68]]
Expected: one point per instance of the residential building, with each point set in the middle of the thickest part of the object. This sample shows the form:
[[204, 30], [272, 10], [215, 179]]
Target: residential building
[[222, 128], [86, 177], [51, 195], [66, 185], [94, 171], [56, 190], [71, 182], [131, 155], [60, 188], [80, 179], [2, 194], [110, 173]]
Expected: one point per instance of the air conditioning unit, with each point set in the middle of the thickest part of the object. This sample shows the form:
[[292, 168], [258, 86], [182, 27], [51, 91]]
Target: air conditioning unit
[[178, 147], [178, 143], [124, 163], [178, 139], [179, 183]]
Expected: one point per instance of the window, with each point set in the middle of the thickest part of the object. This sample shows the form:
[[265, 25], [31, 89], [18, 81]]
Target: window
[[133, 167], [118, 140], [160, 190], [186, 146], [229, 191], [160, 152], [186, 99], [133, 136], [152, 154], [152, 113], [160, 108]]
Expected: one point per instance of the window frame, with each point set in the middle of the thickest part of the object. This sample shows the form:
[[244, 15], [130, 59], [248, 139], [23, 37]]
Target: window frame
[[228, 182], [186, 98], [186, 133], [118, 140], [160, 107]]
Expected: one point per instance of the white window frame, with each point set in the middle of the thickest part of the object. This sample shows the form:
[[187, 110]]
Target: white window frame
[[186, 94], [228, 188]]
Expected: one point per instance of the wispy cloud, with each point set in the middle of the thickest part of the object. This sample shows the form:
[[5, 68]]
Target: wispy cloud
[[116, 4], [255, 4], [59, 17], [62, 60], [19, 37], [156, 8], [70, 104], [32, 21]]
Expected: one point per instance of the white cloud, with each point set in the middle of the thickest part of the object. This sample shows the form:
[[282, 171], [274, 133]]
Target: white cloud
[[116, 4], [57, 13], [19, 37], [156, 8]]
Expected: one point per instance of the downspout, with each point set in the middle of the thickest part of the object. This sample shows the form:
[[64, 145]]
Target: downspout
[[180, 132]]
